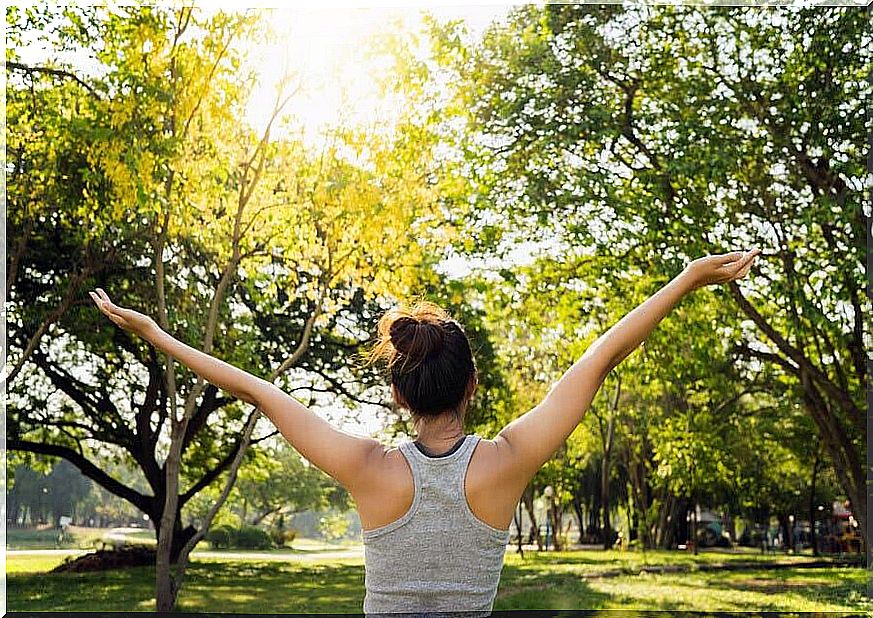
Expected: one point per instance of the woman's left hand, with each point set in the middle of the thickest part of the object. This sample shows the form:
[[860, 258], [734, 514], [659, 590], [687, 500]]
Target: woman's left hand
[[128, 319], [717, 269]]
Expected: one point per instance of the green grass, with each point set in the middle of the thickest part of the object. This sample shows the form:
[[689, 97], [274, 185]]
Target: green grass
[[32, 563], [242, 586], [545, 581], [46, 538], [635, 560], [570, 580], [146, 537], [83, 538]]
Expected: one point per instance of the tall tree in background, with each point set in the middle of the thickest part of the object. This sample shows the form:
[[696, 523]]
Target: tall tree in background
[[137, 172], [653, 134]]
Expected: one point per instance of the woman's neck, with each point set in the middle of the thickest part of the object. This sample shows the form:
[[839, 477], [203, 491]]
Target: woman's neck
[[439, 434]]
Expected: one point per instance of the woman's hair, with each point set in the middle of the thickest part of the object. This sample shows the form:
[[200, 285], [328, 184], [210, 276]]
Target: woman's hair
[[429, 359]]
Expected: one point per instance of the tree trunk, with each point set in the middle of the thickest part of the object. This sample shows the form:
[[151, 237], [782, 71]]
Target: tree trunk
[[516, 516], [527, 498], [556, 525], [577, 507], [594, 520], [844, 455], [783, 525], [604, 492], [165, 588], [825, 401], [639, 494], [694, 526], [604, 468], [661, 528], [812, 510]]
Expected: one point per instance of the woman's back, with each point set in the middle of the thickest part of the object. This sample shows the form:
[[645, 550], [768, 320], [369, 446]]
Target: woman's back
[[438, 555]]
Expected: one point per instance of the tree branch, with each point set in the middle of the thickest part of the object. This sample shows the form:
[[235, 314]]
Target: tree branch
[[803, 363], [87, 468], [17, 66]]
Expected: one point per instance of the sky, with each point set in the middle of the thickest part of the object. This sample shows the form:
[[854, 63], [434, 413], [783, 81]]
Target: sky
[[328, 46]]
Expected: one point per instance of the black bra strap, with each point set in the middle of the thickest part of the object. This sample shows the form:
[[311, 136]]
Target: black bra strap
[[427, 453]]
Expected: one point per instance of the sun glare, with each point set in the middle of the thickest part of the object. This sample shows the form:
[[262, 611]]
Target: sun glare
[[325, 51]]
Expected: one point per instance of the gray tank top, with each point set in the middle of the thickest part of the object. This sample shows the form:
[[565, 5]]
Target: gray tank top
[[438, 557]]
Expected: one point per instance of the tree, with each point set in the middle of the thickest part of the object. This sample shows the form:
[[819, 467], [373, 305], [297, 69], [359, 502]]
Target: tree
[[653, 134], [66, 488], [276, 482], [144, 178]]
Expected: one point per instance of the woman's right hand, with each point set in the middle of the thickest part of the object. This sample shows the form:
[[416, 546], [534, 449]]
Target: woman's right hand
[[716, 269]]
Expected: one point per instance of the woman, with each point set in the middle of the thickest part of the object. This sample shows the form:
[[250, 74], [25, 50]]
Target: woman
[[436, 512]]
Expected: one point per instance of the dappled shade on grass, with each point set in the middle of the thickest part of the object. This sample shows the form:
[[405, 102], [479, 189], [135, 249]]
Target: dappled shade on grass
[[545, 581], [571, 580], [275, 587]]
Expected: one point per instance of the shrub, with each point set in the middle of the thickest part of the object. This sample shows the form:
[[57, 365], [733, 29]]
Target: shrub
[[333, 526], [252, 537], [282, 538], [221, 537]]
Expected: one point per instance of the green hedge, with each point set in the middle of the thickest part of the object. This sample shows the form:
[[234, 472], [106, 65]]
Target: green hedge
[[246, 537]]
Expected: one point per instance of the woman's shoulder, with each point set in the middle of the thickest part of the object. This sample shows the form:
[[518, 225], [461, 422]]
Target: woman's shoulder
[[391, 463]]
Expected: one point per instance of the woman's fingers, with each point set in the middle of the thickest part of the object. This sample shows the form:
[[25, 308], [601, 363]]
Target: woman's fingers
[[727, 258], [744, 261], [737, 257], [101, 304], [125, 318], [747, 265], [106, 306], [750, 259], [723, 267]]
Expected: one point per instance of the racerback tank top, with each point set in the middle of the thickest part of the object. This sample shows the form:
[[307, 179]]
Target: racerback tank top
[[438, 556]]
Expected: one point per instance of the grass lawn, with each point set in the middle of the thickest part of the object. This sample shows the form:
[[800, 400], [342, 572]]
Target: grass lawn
[[553, 581], [46, 537], [572, 580], [146, 537]]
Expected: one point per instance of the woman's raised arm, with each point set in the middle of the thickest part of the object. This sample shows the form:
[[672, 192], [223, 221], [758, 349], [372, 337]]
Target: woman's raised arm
[[530, 440], [344, 456]]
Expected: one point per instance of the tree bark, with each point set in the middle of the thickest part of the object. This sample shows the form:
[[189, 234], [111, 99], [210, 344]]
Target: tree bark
[[607, 436], [535, 536], [823, 401], [812, 510], [577, 507]]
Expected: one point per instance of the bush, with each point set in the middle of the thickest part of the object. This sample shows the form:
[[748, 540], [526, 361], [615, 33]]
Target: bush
[[221, 537], [333, 526], [282, 538], [247, 537], [252, 537]]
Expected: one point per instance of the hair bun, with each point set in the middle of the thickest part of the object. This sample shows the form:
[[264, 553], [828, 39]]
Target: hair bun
[[416, 339]]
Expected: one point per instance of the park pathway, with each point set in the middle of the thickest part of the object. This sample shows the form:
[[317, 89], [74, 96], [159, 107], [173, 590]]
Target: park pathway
[[310, 552], [291, 556]]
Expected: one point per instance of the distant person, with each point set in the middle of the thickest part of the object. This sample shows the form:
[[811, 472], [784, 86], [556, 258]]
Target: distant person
[[436, 511]]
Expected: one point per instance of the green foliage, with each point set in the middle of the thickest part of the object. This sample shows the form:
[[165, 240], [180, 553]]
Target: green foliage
[[244, 537], [142, 158], [282, 538], [252, 537], [612, 144], [333, 526], [221, 536]]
